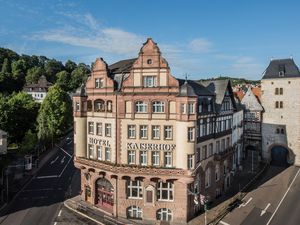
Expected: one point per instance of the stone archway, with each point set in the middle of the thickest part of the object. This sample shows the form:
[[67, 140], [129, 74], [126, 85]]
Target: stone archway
[[279, 156], [104, 194]]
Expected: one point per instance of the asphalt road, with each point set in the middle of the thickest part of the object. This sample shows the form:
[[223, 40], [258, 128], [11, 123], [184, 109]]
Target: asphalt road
[[276, 201], [40, 202]]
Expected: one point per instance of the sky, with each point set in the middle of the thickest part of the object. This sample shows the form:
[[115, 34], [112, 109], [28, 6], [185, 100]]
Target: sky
[[200, 38]]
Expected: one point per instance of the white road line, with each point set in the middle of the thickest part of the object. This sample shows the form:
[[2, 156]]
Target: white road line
[[45, 177], [64, 151], [59, 213], [244, 204], [53, 161], [283, 197], [63, 160], [65, 166], [265, 210], [224, 223], [55, 223]]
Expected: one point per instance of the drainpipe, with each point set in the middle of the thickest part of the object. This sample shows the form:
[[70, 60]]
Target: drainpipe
[[116, 148]]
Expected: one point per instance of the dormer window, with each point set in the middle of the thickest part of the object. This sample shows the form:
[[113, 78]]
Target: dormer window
[[150, 81], [281, 73], [281, 70], [98, 83]]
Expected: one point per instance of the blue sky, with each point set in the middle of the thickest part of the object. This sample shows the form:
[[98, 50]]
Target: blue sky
[[200, 38]]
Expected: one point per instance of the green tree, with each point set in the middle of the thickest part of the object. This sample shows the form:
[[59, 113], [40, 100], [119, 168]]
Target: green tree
[[63, 79], [70, 66], [55, 114], [79, 76], [29, 142], [6, 67], [52, 67], [33, 74], [18, 113], [18, 73]]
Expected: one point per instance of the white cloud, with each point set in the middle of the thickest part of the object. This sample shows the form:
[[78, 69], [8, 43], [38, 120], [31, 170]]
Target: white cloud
[[200, 45]]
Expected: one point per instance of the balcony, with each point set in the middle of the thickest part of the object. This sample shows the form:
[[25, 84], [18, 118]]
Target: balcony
[[222, 155]]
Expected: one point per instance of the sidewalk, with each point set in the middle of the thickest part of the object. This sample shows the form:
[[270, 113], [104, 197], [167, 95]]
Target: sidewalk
[[242, 182], [93, 213]]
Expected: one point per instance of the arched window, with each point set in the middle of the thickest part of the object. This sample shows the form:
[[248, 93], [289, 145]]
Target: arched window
[[99, 105], [207, 177], [141, 107], [217, 172], [164, 214], [158, 107], [134, 212], [109, 106]]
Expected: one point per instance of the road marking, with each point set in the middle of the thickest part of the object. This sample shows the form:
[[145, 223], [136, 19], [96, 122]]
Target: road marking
[[244, 204], [65, 166], [59, 213], [63, 160], [45, 177], [64, 151], [285, 194], [53, 161], [224, 223], [55, 223], [265, 210]]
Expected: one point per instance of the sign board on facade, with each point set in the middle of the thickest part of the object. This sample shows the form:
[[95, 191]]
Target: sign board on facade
[[150, 146]]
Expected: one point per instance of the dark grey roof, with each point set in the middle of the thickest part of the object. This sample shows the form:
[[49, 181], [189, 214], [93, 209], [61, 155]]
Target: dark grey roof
[[192, 88], [81, 91], [41, 85], [288, 66], [123, 66]]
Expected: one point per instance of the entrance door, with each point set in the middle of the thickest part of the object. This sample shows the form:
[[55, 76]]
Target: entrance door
[[104, 195], [279, 156]]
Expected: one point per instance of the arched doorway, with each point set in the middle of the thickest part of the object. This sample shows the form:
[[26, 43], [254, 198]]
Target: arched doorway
[[279, 156], [104, 196]]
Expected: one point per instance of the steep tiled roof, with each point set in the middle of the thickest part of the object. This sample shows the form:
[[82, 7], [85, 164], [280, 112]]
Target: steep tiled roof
[[41, 85], [122, 66], [287, 66], [193, 88]]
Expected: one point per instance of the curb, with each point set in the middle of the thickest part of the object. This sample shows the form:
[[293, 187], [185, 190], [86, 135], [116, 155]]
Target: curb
[[82, 214]]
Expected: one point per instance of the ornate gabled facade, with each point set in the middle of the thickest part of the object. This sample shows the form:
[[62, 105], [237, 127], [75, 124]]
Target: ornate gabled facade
[[281, 122], [148, 144], [252, 128]]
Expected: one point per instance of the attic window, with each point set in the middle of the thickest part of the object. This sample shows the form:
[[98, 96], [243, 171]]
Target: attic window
[[149, 61], [281, 69]]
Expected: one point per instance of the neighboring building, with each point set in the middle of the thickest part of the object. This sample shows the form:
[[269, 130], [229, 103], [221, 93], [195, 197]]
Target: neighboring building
[[3, 142], [281, 119], [39, 90], [148, 144], [237, 135], [252, 128]]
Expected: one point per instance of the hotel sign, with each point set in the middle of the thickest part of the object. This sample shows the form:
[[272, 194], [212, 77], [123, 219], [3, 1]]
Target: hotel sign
[[97, 141], [149, 146]]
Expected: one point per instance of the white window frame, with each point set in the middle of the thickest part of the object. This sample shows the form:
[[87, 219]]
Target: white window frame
[[99, 152], [169, 189], [143, 131], [99, 129], [131, 157], [168, 159], [143, 158], [191, 133], [190, 161], [141, 107], [134, 186], [207, 178], [191, 108], [155, 158], [158, 107], [108, 130], [134, 212], [131, 131], [155, 132], [108, 154], [98, 82], [149, 81], [168, 132], [91, 151], [91, 127], [164, 214]]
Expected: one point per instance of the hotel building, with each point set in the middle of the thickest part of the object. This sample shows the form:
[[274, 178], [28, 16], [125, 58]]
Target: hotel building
[[148, 144]]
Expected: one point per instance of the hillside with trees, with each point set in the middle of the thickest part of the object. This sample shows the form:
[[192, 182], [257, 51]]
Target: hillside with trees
[[235, 81], [27, 122]]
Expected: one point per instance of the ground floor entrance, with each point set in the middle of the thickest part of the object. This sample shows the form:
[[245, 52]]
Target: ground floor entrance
[[279, 156], [104, 196]]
